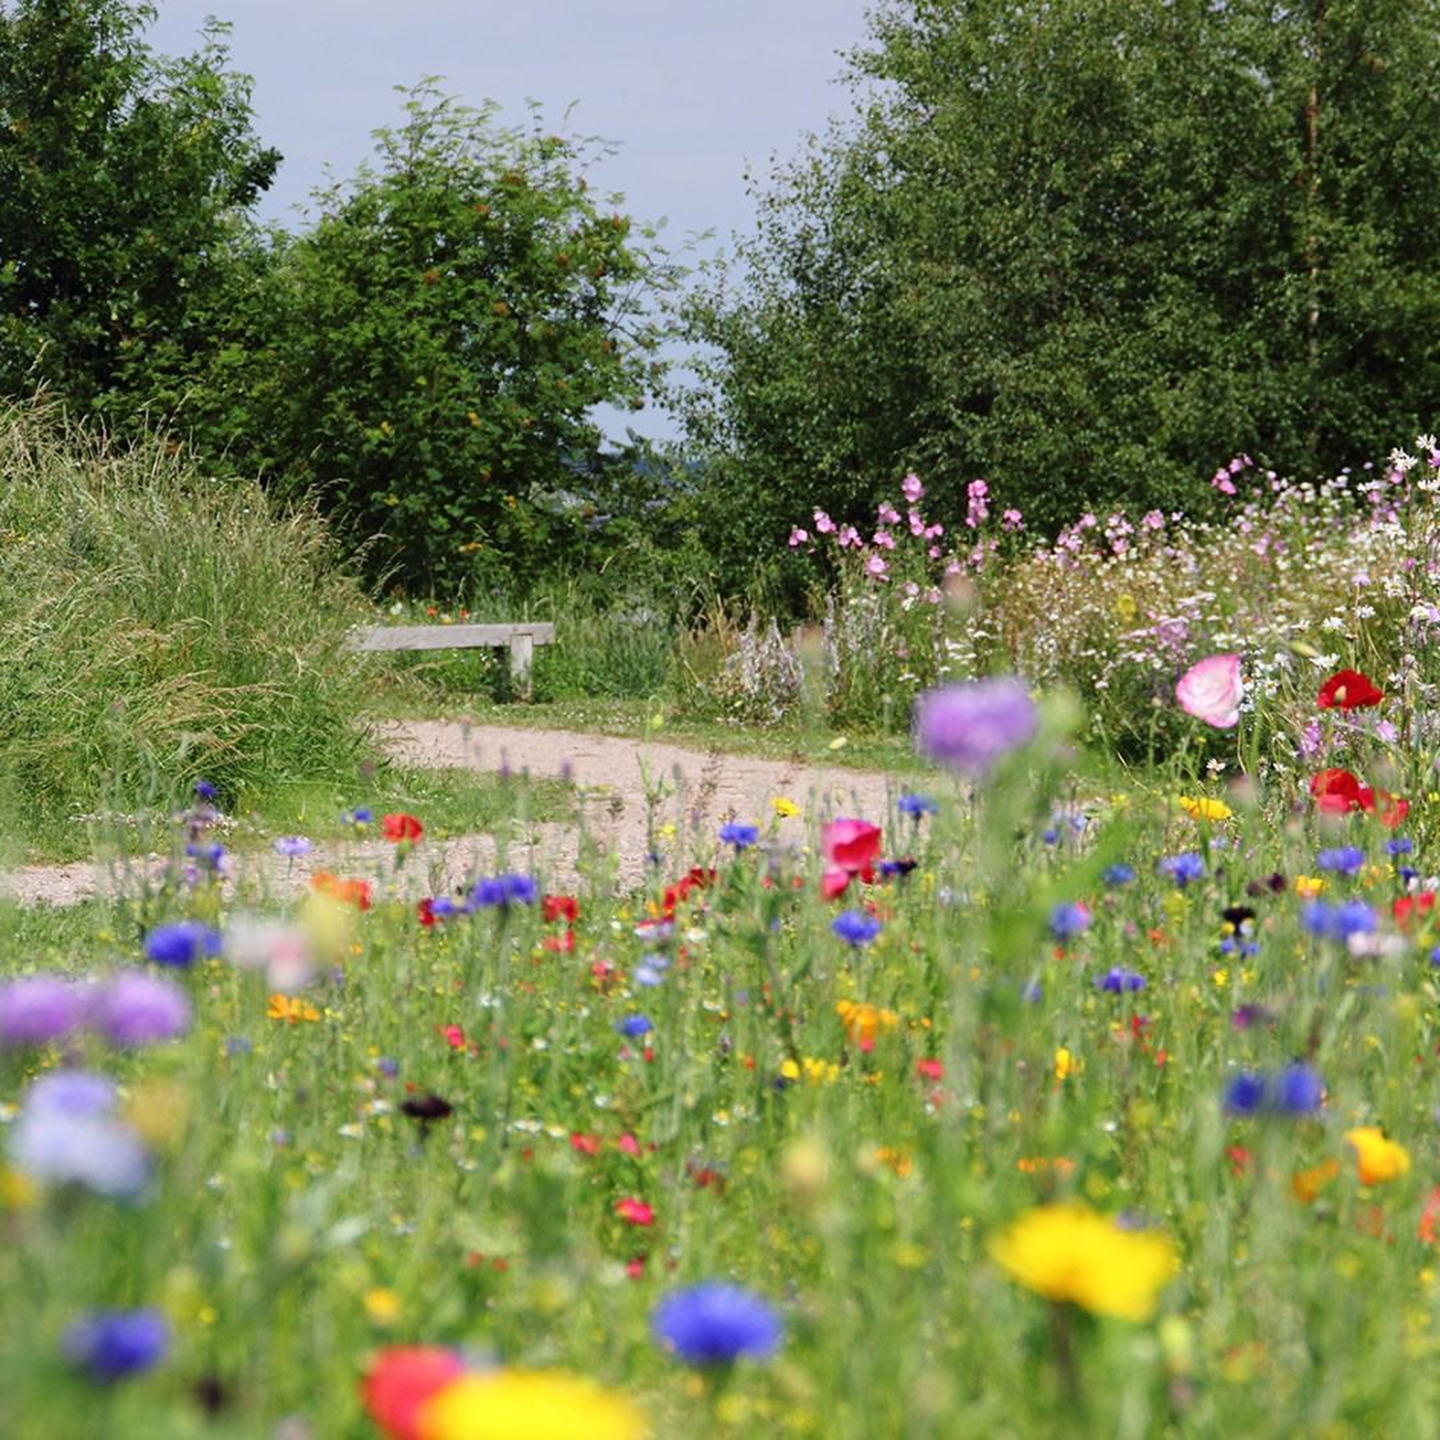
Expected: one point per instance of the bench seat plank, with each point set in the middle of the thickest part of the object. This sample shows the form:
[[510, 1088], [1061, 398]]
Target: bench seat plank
[[449, 637]]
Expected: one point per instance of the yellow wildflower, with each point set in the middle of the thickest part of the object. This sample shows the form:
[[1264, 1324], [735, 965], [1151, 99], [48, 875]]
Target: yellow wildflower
[[529, 1405], [291, 1009], [897, 1160], [864, 1021], [784, 807], [382, 1305], [1066, 1063], [1379, 1159], [1307, 887], [1203, 808], [1307, 1184], [1069, 1252]]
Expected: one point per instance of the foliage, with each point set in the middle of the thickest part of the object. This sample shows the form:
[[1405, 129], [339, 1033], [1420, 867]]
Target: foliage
[[1084, 250], [158, 623], [125, 180], [455, 316]]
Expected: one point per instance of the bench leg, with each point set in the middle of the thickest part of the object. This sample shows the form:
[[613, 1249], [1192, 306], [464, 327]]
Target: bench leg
[[522, 655]]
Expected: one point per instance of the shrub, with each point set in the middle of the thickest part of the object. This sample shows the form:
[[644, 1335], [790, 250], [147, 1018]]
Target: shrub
[[159, 623]]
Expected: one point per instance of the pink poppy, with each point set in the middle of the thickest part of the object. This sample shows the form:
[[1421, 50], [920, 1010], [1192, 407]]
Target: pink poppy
[[1211, 689]]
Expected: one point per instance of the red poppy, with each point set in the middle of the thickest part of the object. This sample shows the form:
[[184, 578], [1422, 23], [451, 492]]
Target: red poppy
[[585, 1144], [1409, 906], [637, 1212], [401, 1380], [1348, 690], [1336, 792], [348, 892], [1390, 810], [561, 943], [399, 826], [930, 1069], [560, 907], [426, 911], [1430, 1217], [851, 845]]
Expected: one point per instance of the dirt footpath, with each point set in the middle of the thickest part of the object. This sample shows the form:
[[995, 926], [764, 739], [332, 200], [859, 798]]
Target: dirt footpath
[[633, 794]]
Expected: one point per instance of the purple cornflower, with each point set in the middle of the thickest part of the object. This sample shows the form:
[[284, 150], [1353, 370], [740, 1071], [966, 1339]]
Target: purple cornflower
[[40, 1008], [1069, 920], [633, 1027], [181, 943], [138, 1009], [740, 836], [855, 927], [291, 846], [716, 1324], [1182, 869], [1118, 875], [1245, 1094], [1117, 980], [66, 1134], [111, 1344], [205, 791], [1295, 1090], [1400, 845], [968, 727]]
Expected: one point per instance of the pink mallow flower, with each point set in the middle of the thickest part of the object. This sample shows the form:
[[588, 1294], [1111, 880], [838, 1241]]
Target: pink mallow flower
[[824, 525], [798, 536], [912, 489], [876, 568]]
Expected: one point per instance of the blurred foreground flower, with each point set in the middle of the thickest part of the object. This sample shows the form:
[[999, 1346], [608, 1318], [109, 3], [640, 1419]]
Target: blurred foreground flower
[[67, 1133], [111, 1344], [181, 943], [1378, 1159], [529, 1405], [1068, 1252], [969, 727], [716, 1324], [399, 1382]]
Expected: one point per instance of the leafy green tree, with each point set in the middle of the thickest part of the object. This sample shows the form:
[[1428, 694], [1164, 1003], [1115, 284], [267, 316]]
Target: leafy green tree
[[126, 180], [458, 312], [1088, 249]]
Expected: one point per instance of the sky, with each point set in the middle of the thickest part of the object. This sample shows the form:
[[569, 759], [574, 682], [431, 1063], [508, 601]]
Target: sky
[[693, 92]]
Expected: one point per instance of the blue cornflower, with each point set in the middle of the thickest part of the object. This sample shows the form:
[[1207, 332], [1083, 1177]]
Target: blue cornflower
[[210, 854], [1118, 875], [1435, 956], [204, 790], [1400, 845], [1050, 836], [358, 816], [1407, 873], [915, 805], [1346, 860], [1337, 922], [1245, 1094], [502, 890], [1182, 869], [111, 1344], [855, 927], [1032, 992], [1116, 980], [181, 943], [632, 1027], [740, 836], [1069, 920], [1297, 1090], [717, 1324], [292, 845]]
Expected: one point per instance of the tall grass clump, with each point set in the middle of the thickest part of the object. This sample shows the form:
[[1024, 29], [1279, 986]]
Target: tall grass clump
[[158, 623]]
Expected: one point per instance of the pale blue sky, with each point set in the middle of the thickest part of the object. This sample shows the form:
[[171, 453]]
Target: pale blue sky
[[691, 91]]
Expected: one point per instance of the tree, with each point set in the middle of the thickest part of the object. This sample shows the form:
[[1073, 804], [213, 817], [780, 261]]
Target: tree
[[125, 179], [458, 312], [1088, 249]]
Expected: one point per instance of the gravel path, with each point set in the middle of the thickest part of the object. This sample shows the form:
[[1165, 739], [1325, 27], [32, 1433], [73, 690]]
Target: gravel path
[[691, 793]]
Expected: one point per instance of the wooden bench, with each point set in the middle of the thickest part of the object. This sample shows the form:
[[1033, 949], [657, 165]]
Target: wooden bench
[[521, 638]]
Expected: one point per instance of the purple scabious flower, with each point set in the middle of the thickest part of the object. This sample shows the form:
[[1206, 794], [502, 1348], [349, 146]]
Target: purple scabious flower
[[1182, 869], [291, 846], [66, 1134], [855, 927], [111, 1344], [740, 836], [1117, 980], [138, 1009], [181, 943], [968, 727], [1069, 920], [1346, 860], [716, 1324], [40, 1008]]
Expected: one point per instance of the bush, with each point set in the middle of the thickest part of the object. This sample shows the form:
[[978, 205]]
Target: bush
[[160, 624]]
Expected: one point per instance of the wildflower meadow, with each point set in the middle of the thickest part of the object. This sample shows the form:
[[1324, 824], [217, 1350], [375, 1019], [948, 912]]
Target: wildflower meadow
[[1063, 1096]]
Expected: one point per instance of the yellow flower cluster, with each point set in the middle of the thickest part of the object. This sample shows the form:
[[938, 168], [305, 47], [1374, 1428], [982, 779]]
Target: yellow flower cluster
[[1069, 1252], [813, 1072], [1202, 808]]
